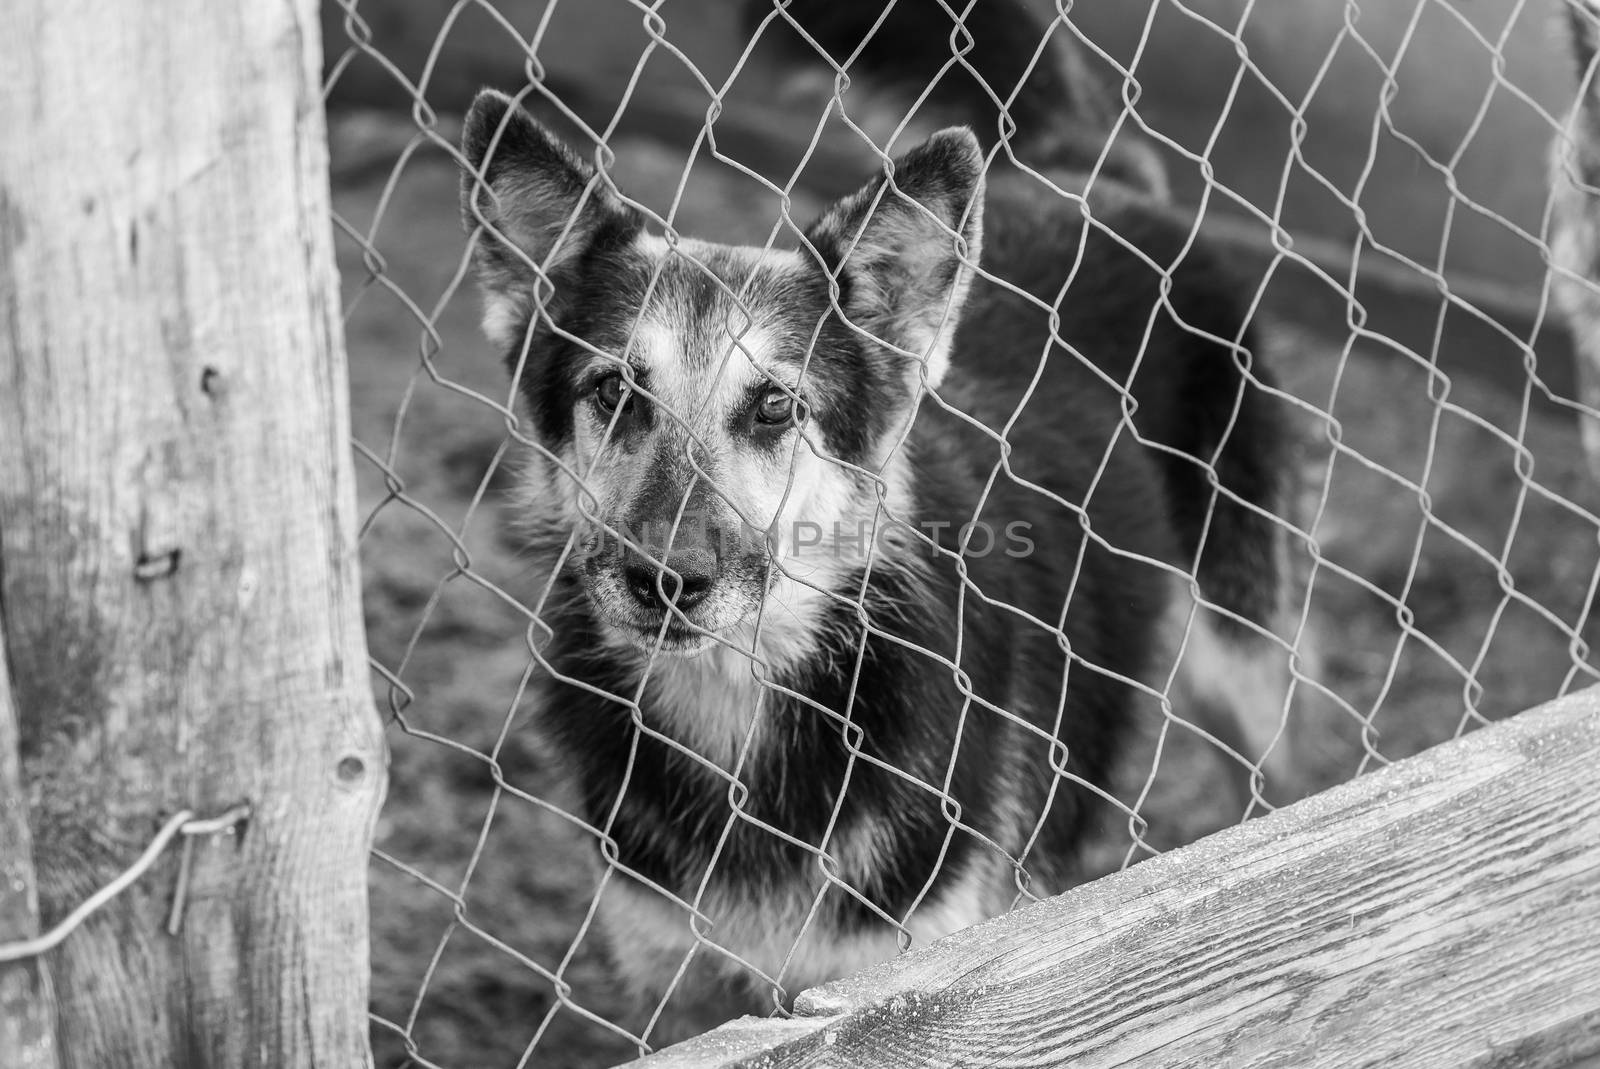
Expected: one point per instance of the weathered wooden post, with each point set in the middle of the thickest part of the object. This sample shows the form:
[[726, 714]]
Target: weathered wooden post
[[178, 589], [27, 1033]]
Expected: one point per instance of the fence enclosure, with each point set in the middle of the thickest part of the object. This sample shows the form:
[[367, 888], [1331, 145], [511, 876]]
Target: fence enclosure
[[178, 586], [1451, 532], [186, 712]]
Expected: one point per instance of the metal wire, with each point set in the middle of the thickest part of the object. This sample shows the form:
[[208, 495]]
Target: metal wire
[[440, 543], [182, 823]]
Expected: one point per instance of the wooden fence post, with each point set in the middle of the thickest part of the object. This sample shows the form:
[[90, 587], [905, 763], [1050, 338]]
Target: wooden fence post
[[178, 589], [27, 1032]]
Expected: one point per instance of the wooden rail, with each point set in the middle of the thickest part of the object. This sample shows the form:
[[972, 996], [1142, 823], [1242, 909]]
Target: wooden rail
[[1442, 911]]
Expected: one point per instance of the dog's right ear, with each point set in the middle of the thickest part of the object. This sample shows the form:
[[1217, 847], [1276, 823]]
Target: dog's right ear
[[540, 208], [905, 255]]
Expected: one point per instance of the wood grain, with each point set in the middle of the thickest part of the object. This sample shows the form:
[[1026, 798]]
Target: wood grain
[[1444, 911], [178, 586], [27, 1018]]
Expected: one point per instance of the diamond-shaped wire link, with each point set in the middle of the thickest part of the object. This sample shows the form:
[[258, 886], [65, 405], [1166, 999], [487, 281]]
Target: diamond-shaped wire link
[[1446, 538]]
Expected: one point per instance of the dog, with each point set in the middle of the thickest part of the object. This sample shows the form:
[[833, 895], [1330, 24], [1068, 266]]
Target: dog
[[1575, 220], [863, 554]]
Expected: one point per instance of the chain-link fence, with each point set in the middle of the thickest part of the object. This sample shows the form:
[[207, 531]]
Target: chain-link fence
[[1370, 183]]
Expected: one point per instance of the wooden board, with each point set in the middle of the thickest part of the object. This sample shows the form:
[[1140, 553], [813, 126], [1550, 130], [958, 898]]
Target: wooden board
[[178, 583], [1443, 911]]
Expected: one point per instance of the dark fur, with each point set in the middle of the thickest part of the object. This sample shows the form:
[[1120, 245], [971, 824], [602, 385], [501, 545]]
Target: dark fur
[[1575, 218], [1058, 114], [917, 660]]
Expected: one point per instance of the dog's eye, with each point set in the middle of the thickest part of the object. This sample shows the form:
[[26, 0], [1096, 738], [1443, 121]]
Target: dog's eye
[[776, 407], [611, 391]]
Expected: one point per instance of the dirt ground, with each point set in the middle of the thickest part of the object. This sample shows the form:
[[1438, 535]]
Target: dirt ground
[[1457, 556]]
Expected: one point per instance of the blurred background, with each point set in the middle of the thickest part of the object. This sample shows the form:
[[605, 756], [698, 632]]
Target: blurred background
[[1379, 174], [1398, 101]]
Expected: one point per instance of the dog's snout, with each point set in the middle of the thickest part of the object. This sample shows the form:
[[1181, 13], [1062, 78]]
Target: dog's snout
[[686, 580]]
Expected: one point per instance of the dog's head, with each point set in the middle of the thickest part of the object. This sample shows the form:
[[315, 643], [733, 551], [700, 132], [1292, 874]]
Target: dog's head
[[719, 427]]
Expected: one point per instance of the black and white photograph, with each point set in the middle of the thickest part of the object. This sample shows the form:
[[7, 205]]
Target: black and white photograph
[[827, 534]]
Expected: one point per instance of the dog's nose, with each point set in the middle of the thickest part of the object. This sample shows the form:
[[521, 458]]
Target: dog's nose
[[688, 578]]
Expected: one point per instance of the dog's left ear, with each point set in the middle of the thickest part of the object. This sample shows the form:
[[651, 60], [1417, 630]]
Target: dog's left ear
[[905, 247]]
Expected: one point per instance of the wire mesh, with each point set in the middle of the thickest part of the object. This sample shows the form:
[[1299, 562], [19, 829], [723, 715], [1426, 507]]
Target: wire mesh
[[1363, 168]]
